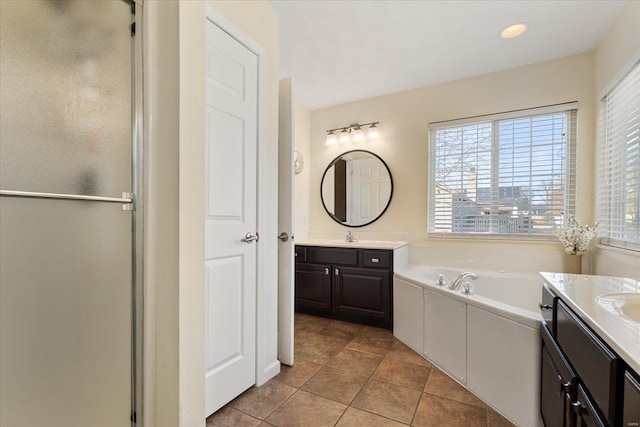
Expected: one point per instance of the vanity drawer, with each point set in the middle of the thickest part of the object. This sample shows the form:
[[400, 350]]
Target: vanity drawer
[[594, 363], [301, 254], [373, 258], [334, 256]]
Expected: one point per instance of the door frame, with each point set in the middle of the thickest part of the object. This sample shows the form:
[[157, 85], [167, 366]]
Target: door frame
[[263, 372]]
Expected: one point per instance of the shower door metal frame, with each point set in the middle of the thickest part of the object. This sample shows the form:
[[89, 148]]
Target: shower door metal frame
[[137, 216]]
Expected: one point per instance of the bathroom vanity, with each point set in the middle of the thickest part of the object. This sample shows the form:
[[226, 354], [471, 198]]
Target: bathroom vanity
[[590, 351], [351, 281]]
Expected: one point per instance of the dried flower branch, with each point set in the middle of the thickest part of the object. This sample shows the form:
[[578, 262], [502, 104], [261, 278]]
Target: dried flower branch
[[576, 237]]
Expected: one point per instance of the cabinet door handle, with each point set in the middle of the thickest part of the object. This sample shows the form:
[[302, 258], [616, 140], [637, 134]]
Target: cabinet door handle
[[578, 408], [337, 272], [326, 271], [564, 386], [375, 260]]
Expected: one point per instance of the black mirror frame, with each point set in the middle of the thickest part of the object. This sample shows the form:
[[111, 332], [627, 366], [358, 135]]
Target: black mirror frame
[[333, 162]]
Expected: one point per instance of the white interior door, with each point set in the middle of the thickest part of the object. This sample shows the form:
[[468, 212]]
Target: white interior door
[[370, 185], [231, 216], [285, 223]]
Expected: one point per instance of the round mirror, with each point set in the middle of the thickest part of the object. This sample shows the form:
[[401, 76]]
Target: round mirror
[[356, 188]]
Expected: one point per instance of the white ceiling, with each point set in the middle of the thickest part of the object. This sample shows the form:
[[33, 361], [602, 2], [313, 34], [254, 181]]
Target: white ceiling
[[342, 51]]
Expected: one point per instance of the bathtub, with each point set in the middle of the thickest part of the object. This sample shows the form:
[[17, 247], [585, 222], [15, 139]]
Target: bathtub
[[489, 341]]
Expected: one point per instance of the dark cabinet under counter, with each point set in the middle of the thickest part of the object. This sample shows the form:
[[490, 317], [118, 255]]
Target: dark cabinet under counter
[[350, 284], [313, 287], [631, 405], [584, 382], [362, 292]]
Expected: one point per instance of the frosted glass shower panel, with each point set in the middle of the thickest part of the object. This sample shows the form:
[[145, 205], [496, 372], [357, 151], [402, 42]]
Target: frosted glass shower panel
[[65, 109], [65, 314]]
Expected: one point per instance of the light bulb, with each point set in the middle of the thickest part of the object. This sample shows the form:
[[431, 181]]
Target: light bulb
[[331, 139], [358, 134], [373, 133], [344, 136]]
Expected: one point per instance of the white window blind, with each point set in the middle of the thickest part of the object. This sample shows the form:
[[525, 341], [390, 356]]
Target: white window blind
[[618, 201], [509, 174]]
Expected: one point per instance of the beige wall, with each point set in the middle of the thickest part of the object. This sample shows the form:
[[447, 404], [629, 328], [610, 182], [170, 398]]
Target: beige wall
[[174, 242], [161, 254], [404, 119], [618, 47], [302, 143]]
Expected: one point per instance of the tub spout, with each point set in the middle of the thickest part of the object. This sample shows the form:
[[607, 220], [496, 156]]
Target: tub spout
[[455, 283]]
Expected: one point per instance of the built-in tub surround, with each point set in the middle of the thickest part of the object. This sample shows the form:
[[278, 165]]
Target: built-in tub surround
[[488, 341]]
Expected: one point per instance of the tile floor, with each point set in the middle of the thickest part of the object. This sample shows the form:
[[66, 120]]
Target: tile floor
[[352, 375]]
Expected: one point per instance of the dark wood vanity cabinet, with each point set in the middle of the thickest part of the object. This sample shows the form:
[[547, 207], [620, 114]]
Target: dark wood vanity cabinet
[[631, 405], [597, 366], [362, 292], [349, 284], [557, 383], [583, 382], [313, 287]]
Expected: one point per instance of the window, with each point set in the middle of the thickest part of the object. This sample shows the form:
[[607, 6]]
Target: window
[[619, 163], [508, 174]]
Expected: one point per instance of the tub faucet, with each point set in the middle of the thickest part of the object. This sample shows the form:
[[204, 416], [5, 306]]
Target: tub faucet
[[455, 283], [350, 237]]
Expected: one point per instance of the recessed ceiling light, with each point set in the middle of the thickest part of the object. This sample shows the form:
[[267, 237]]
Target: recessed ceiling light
[[513, 31]]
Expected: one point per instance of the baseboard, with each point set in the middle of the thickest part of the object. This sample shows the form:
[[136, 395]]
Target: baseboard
[[269, 372]]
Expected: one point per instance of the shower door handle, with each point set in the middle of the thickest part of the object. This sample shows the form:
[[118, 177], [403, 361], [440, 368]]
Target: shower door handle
[[127, 199]]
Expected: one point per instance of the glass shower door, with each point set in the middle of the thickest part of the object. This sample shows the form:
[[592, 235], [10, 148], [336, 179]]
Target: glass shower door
[[65, 231]]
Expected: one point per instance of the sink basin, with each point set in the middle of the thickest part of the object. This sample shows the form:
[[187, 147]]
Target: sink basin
[[625, 304]]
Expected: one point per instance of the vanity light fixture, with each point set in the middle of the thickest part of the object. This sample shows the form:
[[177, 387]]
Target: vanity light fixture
[[373, 132], [358, 134], [332, 139], [345, 135], [352, 133]]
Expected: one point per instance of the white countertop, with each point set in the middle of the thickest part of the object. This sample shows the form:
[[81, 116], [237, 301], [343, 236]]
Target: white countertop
[[363, 244], [580, 292]]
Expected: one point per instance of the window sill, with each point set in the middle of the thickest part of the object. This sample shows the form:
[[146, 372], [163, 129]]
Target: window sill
[[494, 237], [628, 248]]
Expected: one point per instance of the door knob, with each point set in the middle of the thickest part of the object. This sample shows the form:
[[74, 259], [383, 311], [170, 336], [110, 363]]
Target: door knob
[[248, 238], [283, 236]]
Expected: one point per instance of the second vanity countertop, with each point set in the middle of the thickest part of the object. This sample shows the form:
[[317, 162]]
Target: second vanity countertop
[[361, 244], [587, 297]]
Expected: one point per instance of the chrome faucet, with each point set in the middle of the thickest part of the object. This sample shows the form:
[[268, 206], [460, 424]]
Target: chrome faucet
[[455, 283], [350, 237]]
